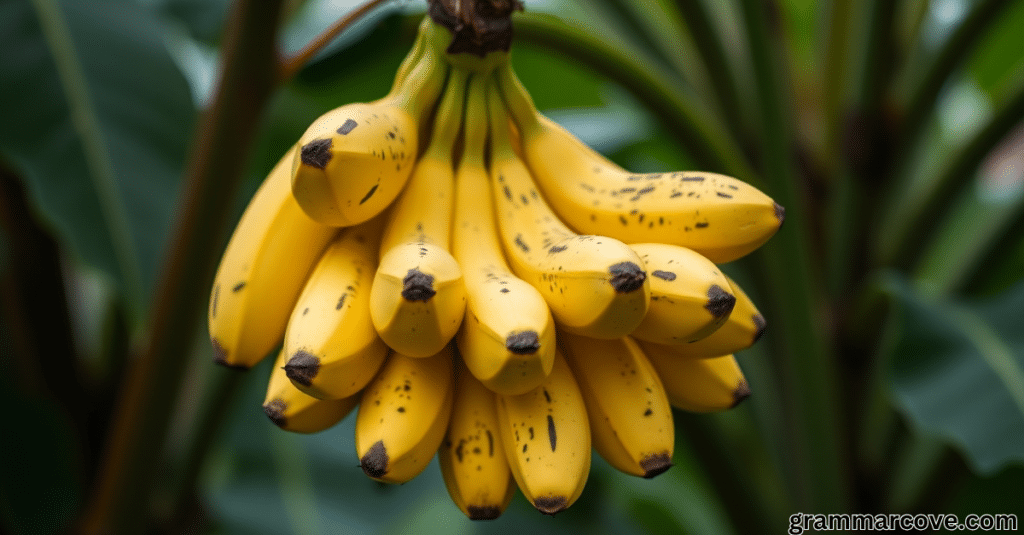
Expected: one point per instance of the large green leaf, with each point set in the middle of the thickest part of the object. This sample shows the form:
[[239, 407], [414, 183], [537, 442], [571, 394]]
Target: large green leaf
[[958, 372], [96, 120]]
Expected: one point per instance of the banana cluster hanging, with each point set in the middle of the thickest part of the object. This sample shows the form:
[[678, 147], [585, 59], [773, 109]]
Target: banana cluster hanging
[[497, 293]]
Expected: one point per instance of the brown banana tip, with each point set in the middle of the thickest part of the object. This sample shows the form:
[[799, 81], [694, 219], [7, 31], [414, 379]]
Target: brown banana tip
[[418, 286], [550, 505], [761, 324], [741, 393], [720, 302], [316, 153], [626, 277], [485, 512], [375, 462], [655, 464], [780, 214], [220, 356], [274, 410], [523, 343], [302, 367]]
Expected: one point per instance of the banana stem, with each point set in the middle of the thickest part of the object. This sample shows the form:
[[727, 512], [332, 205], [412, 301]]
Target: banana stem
[[121, 497], [808, 365], [291, 66]]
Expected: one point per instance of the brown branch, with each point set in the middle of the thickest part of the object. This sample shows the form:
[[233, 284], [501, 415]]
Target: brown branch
[[223, 140]]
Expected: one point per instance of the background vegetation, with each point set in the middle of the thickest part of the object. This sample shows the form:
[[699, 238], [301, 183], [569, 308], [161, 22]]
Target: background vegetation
[[891, 378]]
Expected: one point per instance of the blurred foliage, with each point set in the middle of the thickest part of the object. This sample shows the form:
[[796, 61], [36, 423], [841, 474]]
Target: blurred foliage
[[891, 378]]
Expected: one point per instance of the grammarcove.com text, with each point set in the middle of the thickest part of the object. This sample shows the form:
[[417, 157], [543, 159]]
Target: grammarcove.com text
[[804, 522]]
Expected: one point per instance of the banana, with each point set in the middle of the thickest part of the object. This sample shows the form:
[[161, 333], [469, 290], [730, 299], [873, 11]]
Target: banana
[[292, 410], [630, 416], [507, 338], [333, 350], [262, 272], [744, 327], [354, 160], [594, 285], [418, 298], [472, 459], [699, 385], [690, 297], [403, 415], [546, 437], [720, 217]]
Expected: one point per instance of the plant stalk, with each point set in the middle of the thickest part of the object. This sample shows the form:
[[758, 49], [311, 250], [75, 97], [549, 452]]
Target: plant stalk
[[223, 140], [716, 63], [809, 368]]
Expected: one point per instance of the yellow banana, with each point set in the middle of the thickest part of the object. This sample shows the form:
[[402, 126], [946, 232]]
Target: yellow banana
[[472, 459], [699, 385], [630, 416], [546, 437], [507, 338], [354, 160], [690, 297], [418, 298], [292, 410], [594, 285], [403, 416], [262, 272], [744, 327], [333, 350], [718, 216]]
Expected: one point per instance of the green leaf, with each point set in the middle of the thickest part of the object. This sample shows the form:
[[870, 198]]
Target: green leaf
[[96, 120], [958, 372], [998, 64]]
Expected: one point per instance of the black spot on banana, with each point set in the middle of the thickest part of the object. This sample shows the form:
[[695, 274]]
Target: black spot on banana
[[626, 277], [655, 464], [720, 302], [523, 343], [550, 505], [302, 368], [375, 462], [418, 286], [348, 126], [317, 153]]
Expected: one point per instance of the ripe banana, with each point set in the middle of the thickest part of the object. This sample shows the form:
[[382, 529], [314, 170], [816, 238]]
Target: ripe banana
[[699, 385], [292, 410], [355, 159], [333, 350], [262, 272], [403, 415], [546, 437], [744, 327], [594, 285], [418, 297], [718, 216], [507, 338], [630, 416], [472, 459], [690, 297]]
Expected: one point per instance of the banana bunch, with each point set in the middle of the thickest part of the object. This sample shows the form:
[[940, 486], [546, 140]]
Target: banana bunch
[[479, 284]]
